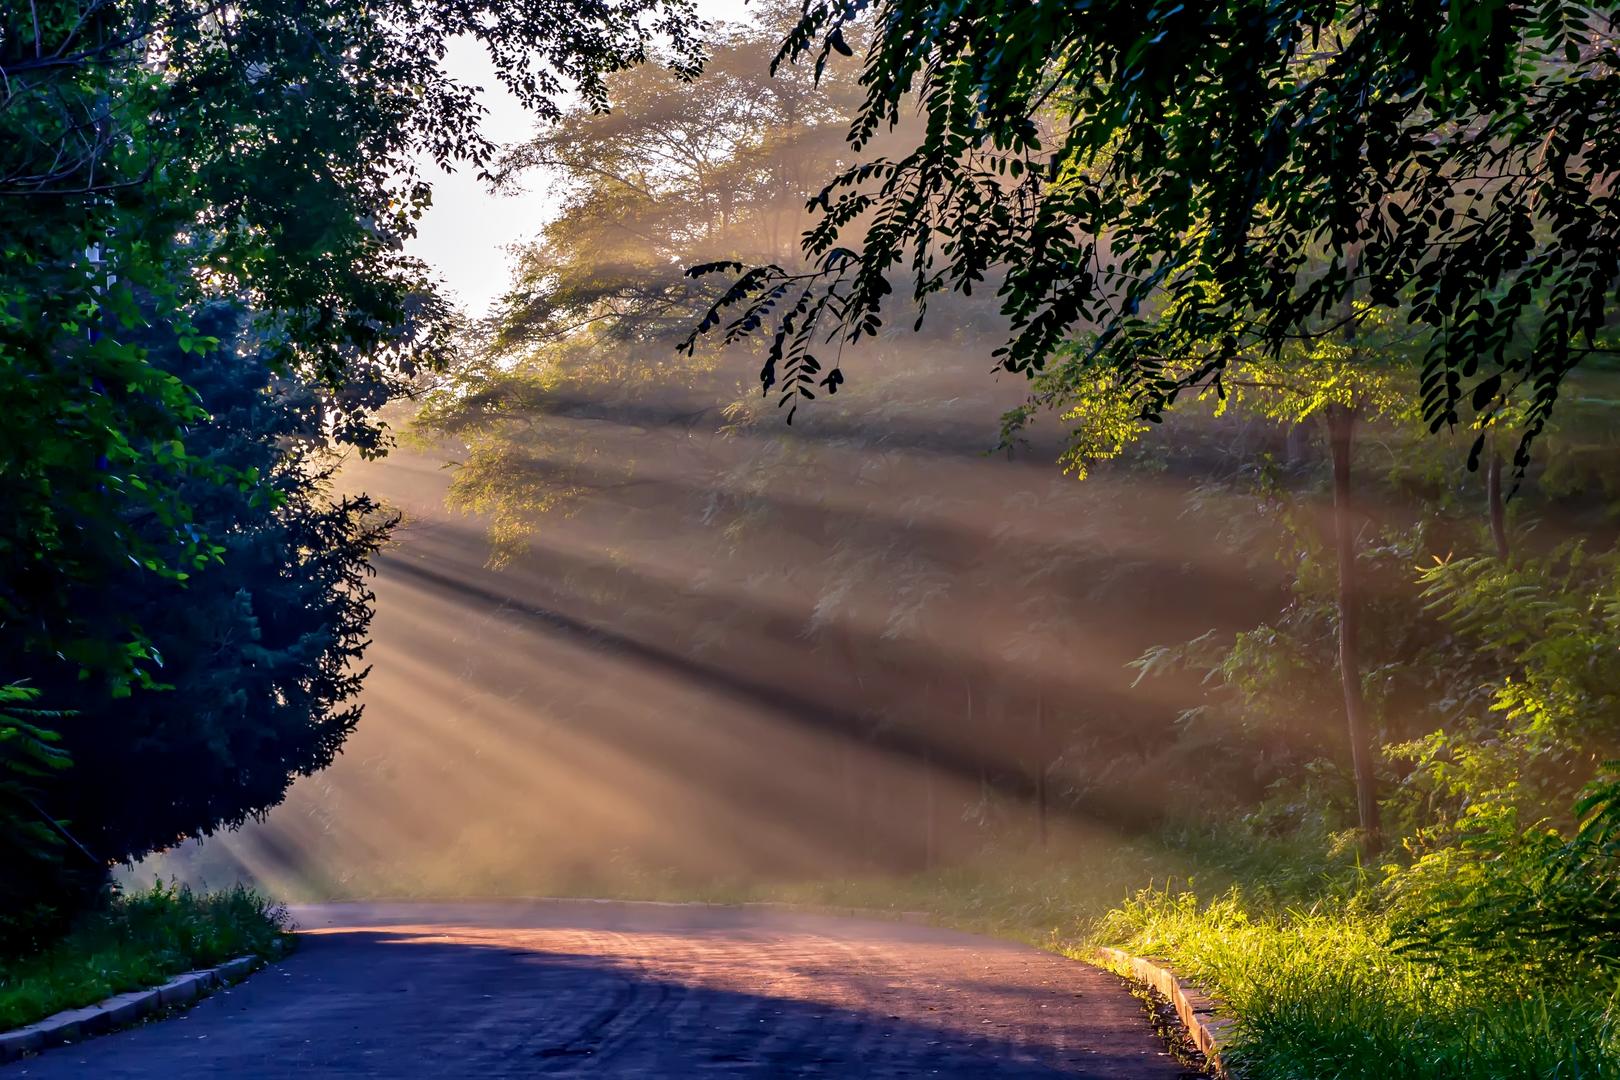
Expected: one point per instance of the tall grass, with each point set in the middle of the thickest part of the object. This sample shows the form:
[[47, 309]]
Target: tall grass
[[1319, 993], [138, 940]]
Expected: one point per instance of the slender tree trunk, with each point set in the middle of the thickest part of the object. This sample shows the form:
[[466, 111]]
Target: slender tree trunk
[[1493, 498], [852, 800], [1040, 771], [855, 831], [1341, 424], [1296, 444], [930, 813]]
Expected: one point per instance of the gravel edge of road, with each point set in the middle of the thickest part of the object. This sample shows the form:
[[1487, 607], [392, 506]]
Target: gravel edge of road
[[123, 1010]]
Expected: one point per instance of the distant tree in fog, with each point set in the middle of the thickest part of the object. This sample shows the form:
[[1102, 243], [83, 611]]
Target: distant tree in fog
[[581, 406], [600, 297]]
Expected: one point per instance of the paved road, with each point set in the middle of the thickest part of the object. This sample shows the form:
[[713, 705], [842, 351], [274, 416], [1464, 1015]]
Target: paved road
[[636, 990]]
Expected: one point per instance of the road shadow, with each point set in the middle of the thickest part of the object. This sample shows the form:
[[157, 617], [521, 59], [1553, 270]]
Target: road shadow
[[433, 1002]]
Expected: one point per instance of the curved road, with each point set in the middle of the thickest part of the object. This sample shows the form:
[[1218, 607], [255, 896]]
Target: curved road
[[586, 989]]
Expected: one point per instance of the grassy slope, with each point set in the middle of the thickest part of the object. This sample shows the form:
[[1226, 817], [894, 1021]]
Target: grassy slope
[[138, 940]]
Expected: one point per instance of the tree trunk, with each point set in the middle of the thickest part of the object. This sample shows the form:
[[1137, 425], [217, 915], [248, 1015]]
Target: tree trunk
[[1040, 772], [1493, 498], [1341, 424], [930, 813], [1296, 444], [854, 830]]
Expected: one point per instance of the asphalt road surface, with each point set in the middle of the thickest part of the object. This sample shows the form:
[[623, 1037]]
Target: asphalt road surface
[[585, 989]]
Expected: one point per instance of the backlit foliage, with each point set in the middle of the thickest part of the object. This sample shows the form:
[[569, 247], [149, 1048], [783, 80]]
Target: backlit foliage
[[1194, 180]]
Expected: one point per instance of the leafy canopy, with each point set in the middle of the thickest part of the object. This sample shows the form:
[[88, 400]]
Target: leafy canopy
[[158, 153], [1191, 180]]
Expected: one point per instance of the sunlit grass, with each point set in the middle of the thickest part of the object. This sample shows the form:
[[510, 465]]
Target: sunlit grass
[[138, 940], [1028, 896], [1319, 992]]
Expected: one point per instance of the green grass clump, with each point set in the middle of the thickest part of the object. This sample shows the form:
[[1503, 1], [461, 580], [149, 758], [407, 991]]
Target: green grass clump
[[134, 941], [1320, 992]]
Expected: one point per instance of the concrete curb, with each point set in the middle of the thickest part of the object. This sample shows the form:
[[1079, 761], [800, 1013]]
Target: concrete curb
[[121, 1010], [1196, 1009]]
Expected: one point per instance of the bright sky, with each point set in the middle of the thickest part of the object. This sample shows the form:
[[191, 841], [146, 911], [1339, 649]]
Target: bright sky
[[466, 233]]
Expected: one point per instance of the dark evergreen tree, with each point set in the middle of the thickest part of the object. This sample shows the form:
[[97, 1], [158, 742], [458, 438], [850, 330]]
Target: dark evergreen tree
[[258, 652]]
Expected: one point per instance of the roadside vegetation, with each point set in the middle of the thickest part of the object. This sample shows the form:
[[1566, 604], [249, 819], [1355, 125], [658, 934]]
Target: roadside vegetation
[[1326, 989], [1331, 971], [1321, 973], [136, 940]]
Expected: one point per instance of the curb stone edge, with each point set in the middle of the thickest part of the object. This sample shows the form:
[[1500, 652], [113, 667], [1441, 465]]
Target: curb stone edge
[[1197, 1010], [121, 1010]]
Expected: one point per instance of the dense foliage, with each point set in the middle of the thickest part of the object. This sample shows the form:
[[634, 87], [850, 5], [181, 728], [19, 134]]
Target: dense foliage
[[255, 657], [268, 153], [1191, 181]]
